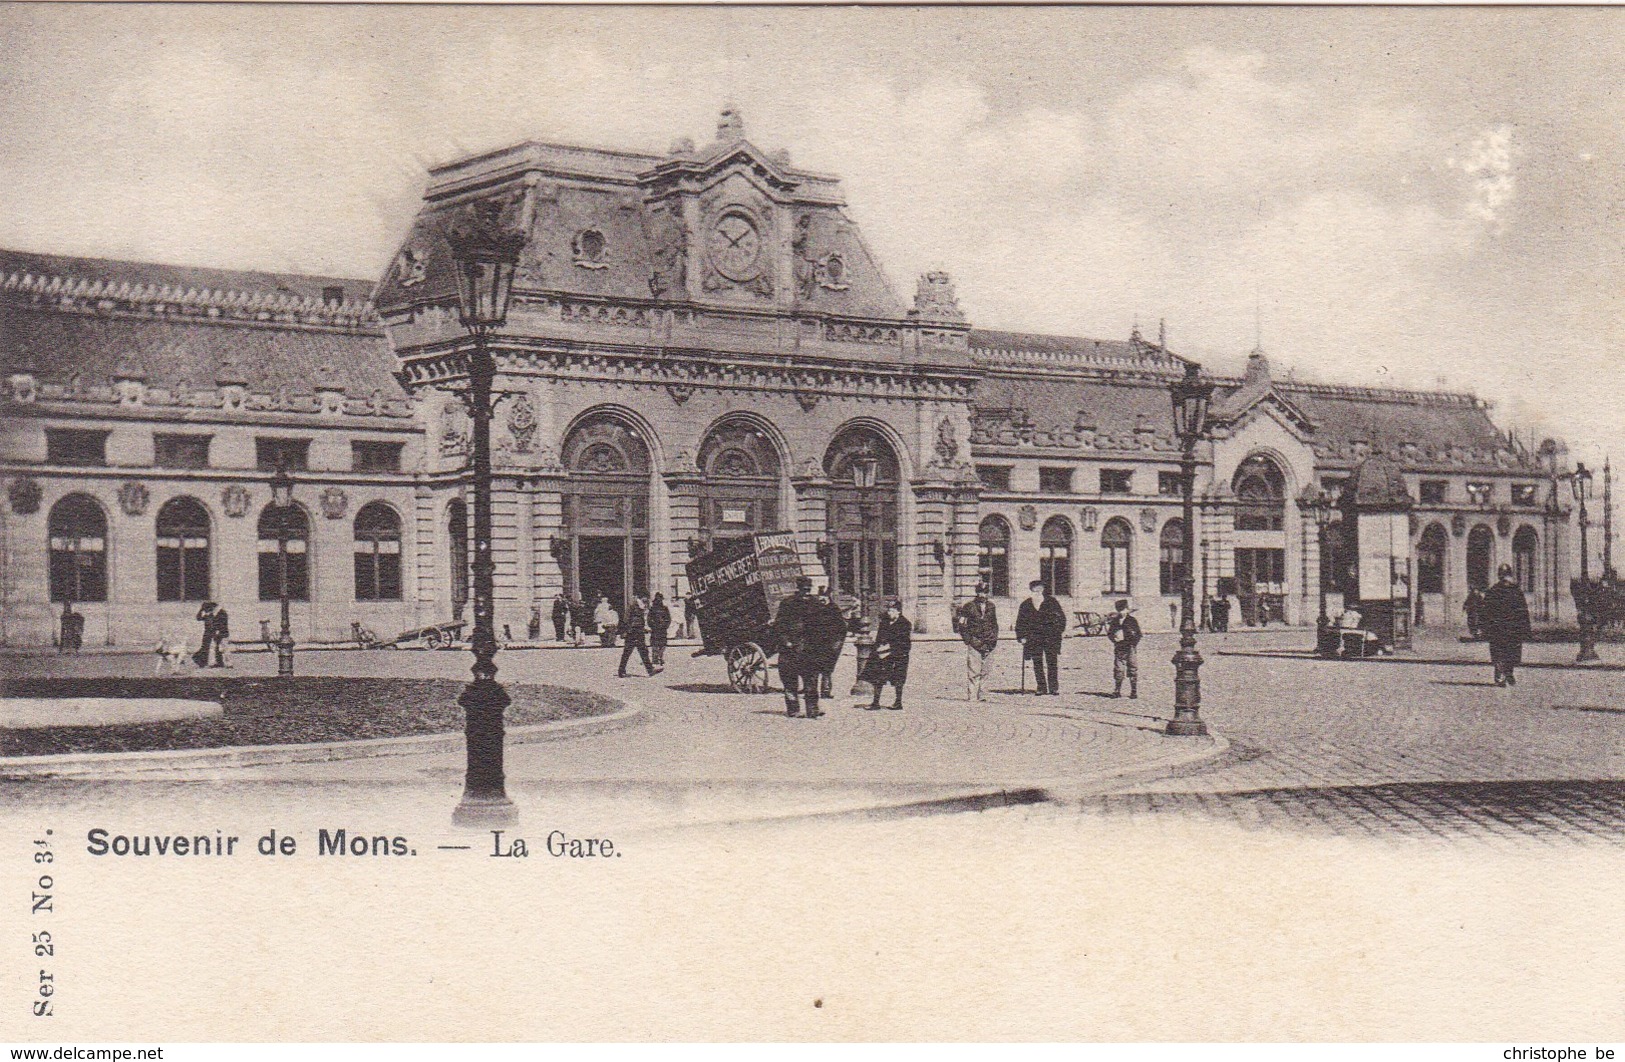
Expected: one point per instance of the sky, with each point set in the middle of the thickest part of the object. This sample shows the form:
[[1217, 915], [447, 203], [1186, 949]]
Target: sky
[[1392, 197]]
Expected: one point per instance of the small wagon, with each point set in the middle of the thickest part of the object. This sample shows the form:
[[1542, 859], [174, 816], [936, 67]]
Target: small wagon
[[737, 587], [1089, 624], [435, 636]]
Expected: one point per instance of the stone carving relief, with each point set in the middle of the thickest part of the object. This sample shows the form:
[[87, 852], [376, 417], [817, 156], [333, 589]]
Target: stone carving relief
[[1088, 518], [24, 387], [1458, 524], [454, 436], [947, 442], [669, 241], [133, 498], [522, 424], [1503, 525], [24, 495], [1148, 520], [807, 399], [234, 499], [1027, 516], [935, 298], [680, 392], [333, 502]]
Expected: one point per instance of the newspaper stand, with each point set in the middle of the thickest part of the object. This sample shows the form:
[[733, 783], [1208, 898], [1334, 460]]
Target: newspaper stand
[[737, 587]]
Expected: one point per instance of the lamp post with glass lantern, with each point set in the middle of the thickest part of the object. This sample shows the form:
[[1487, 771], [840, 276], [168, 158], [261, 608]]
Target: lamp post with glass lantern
[[282, 501], [1191, 395], [486, 255], [1580, 482]]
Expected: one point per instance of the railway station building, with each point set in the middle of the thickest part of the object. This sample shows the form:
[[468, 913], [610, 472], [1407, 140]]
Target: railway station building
[[701, 345]]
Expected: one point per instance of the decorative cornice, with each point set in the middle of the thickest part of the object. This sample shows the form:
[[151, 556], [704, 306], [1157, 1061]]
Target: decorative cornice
[[77, 294], [23, 389]]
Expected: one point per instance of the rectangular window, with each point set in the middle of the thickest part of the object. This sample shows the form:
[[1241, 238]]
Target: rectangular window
[[1481, 493], [1523, 494], [67, 446], [180, 451], [1116, 481], [1433, 491], [375, 456], [994, 477], [1055, 480], [1171, 484], [292, 454]]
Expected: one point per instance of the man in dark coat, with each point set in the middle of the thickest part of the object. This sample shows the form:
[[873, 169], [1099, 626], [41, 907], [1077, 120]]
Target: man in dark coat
[[1504, 617], [561, 616], [800, 658], [220, 634], [977, 622], [634, 627], [1040, 626], [659, 630], [888, 662], [1474, 607], [205, 615], [829, 632], [1123, 631]]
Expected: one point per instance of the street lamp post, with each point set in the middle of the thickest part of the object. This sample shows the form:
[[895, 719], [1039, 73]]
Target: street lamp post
[[1580, 481], [865, 473], [282, 499], [1323, 506], [1191, 395], [486, 256]]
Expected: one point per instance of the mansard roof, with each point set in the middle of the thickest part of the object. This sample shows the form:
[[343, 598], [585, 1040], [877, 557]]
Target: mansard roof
[[650, 216], [86, 322]]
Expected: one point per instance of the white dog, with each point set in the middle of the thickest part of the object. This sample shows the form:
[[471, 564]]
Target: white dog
[[173, 655]]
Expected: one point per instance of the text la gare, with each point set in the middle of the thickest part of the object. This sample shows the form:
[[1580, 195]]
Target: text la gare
[[558, 844]]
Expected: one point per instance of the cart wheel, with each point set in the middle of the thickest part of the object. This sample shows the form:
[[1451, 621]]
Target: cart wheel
[[747, 668], [434, 639]]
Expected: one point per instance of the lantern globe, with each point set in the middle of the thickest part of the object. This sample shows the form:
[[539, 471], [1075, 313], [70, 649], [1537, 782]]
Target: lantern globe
[[1191, 396], [486, 255], [1581, 482]]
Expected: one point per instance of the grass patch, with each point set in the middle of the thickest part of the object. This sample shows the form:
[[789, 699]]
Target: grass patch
[[281, 711]]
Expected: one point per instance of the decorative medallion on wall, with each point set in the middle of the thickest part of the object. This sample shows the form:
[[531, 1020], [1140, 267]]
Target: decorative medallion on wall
[[590, 249], [1148, 520], [1503, 524], [808, 400], [1088, 518], [234, 499], [24, 495], [1027, 516], [133, 498], [411, 268], [832, 273], [680, 392], [947, 442], [1458, 524], [334, 502], [522, 423]]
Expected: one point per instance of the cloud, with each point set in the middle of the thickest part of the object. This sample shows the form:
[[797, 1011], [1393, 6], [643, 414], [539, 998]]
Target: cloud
[[1491, 183]]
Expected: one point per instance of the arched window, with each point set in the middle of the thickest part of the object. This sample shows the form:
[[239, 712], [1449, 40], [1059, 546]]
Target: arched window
[[377, 553], [1055, 556], [993, 555], [739, 493], [183, 551], [1171, 569], [1525, 546], [862, 513], [78, 530], [1116, 544], [287, 524], [1260, 495], [457, 550], [1480, 557], [1430, 560]]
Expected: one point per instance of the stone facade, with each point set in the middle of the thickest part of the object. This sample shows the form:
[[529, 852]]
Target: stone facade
[[700, 345]]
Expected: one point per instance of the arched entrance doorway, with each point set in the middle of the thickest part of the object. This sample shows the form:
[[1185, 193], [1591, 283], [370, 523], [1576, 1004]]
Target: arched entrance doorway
[[1431, 559], [739, 486], [864, 481], [1260, 490], [1480, 557], [606, 510]]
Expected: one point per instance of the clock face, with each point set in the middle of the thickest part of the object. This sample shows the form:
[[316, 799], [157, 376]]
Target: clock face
[[736, 247]]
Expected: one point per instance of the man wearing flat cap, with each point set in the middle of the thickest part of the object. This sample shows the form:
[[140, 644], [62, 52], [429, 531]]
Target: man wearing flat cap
[[1123, 631], [977, 622]]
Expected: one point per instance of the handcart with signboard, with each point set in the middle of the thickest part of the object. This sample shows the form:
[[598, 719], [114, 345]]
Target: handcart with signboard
[[737, 586]]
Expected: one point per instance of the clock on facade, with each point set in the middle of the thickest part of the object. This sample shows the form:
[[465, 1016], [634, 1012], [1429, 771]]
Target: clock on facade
[[736, 247]]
